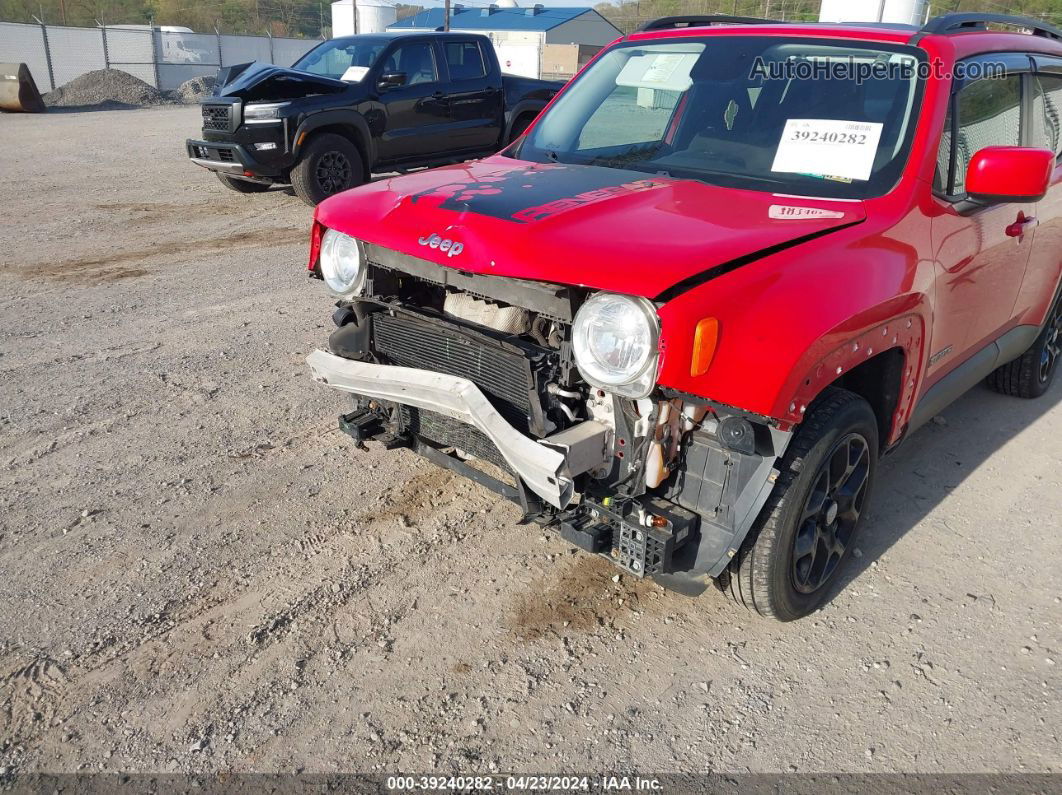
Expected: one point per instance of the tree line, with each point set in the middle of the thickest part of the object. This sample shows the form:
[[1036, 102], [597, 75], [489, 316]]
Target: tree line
[[312, 18], [629, 15], [299, 18]]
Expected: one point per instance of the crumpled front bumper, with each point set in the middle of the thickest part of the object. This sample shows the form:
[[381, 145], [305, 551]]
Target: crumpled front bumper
[[548, 467]]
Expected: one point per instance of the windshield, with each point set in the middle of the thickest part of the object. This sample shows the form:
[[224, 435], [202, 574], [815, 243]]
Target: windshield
[[342, 59], [785, 115]]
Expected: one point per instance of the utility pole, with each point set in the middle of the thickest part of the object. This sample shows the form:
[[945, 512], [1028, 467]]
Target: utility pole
[[446, 14], [62, 10], [354, 7]]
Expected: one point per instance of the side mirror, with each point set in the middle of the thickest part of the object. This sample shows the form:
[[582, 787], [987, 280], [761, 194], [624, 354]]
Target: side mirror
[[391, 80], [1005, 174]]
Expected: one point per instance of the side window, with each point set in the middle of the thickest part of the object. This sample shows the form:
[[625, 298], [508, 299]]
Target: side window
[[416, 60], [989, 114], [1047, 112], [464, 60]]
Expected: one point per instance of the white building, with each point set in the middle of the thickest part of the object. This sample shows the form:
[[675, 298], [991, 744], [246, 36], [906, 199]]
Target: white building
[[532, 41]]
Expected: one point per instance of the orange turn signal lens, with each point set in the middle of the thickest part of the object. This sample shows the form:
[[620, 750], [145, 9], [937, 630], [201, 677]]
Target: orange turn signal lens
[[705, 341]]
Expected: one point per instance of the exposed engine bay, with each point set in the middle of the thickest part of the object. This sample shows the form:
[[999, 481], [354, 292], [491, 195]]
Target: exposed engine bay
[[666, 485]]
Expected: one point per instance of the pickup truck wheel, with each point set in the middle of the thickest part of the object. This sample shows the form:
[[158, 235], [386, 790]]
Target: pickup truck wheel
[[786, 568], [329, 164], [520, 127], [1031, 375], [242, 185]]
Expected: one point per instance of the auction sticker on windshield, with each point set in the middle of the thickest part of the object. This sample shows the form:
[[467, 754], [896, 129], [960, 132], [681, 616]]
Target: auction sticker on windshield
[[354, 74], [827, 147], [667, 71]]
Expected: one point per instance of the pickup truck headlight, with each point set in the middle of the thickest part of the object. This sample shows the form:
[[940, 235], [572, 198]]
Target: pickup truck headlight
[[342, 264], [261, 112], [615, 339]]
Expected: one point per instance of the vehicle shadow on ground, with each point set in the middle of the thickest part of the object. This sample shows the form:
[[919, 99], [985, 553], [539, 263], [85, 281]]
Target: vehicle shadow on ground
[[934, 462]]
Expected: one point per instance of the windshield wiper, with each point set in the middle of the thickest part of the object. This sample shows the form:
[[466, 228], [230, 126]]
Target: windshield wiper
[[630, 159], [707, 174]]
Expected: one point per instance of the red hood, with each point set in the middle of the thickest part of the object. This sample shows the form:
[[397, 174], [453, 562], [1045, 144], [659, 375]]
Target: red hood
[[604, 228]]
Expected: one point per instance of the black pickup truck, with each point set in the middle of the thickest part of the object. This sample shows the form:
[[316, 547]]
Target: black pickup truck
[[359, 104]]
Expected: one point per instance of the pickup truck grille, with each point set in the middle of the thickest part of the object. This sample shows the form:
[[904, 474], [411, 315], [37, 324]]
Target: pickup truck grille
[[504, 376], [217, 117]]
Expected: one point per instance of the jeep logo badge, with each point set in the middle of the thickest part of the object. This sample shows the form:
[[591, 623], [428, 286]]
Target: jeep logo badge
[[451, 247]]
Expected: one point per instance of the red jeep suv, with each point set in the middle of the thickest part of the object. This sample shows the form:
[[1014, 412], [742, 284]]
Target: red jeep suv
[[731, 265]]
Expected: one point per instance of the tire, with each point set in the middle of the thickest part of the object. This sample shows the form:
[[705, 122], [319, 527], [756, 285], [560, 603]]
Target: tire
[[242, 185], [329, 165], [771, 574], [520, 126], [1031, 375]]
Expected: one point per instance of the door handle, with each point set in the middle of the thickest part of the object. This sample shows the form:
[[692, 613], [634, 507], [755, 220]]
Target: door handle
[[438, 95], [1021, 226]]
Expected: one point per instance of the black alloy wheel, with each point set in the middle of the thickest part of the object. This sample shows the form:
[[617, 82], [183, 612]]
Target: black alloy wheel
[[333, 172], [1052, 347], [831, 513]]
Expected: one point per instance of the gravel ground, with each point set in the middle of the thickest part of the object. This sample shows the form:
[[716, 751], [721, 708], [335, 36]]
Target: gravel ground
[[199, 573]]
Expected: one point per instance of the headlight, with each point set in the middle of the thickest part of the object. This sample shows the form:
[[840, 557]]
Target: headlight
[[342, 264], [263, 111], [615, 340]]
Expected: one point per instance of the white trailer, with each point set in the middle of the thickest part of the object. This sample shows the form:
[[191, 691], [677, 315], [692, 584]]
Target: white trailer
[[906, 12]]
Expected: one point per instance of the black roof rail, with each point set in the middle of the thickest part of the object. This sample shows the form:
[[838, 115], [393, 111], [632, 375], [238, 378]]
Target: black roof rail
[[971, 21], [699, 21]]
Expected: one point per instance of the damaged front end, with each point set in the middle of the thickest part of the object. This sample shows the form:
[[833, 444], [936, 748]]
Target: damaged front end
[[479, 374]]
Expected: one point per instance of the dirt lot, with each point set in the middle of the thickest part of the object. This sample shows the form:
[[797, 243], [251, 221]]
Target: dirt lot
[[198, 572]]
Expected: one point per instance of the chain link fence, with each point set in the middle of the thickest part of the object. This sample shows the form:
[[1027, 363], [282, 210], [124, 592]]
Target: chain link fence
[[56, 54]]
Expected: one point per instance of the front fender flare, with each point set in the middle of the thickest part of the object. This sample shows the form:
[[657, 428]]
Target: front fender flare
[[526, 106], [341, 118], [816, 371]]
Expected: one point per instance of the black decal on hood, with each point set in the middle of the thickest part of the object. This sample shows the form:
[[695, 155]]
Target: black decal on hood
[[537, 192], [719, 270]]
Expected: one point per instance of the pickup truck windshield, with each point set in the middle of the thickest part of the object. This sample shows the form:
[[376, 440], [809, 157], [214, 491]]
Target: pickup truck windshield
[[786, 115], [341, 59]]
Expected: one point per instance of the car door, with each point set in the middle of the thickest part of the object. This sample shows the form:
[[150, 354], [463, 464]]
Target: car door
[[476, 105], [1045, 263], [416, 112], [981, 252]]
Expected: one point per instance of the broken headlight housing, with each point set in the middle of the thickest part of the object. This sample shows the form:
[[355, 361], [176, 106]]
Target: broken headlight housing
[[616, 339]]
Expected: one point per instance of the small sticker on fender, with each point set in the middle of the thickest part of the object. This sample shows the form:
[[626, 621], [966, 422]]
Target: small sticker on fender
[[782, 212]]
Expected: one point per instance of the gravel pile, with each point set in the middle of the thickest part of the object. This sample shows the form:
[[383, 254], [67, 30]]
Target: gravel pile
[[191, 91], [107, 87]]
